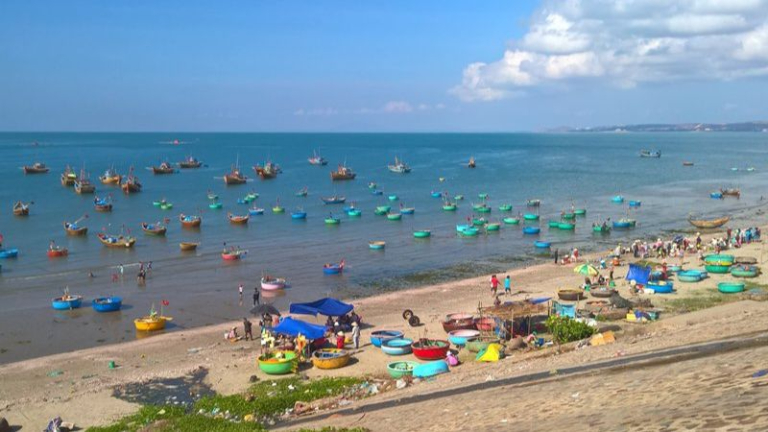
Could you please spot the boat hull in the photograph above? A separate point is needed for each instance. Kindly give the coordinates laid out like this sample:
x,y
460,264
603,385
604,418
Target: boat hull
x,y
330,358
430,349
60,303
107,304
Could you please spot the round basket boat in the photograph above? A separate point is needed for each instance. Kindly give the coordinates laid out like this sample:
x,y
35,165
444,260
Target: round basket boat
x,y
396,346
566,226
531,230
580,212
690,276
458,321
596,305
400,369
553,223
745,271
569,216
511,221
430,349
570,294
661,287
601,292
461,337
745,260
107,304
330,358
718,269
422,233
531,217
379,336
67,303
730,287
613,314
542,244
493,226
278,362
430,369
719,260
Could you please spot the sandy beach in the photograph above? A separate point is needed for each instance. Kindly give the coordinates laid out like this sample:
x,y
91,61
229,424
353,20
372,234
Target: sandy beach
x,y
80,387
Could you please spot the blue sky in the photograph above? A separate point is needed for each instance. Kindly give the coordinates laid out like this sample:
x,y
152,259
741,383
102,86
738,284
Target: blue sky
x,y
378,65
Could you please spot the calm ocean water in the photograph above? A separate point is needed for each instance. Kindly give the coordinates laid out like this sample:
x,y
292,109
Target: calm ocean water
x,y
586,169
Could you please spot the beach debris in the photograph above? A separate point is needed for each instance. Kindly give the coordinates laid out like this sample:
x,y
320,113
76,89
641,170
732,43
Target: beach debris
x,y
4,426
602,339
401,384
55,373
760,373
194,350
253,378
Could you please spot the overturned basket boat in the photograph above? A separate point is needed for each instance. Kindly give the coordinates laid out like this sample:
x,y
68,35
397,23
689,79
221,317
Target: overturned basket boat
x,y
330,358
570,294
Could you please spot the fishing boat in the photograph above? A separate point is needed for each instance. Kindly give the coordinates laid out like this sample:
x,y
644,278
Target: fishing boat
x,y
277,208
430,349
316,159
107,304
492,226
110,177
650,154
83,184
624,223
469,232
471,163
730,287
377,245
8,253
55,251
113,241
188,246
237,219
343,173
334,199
483,196
554,223
35,168
372,185
531,217
255,211
332,220
102,204
531,230
533,203
422,233
234,176
711,223
330,358
21,209
278,362
635,203
151,322
580,212
68,177
211,196
566,226
479,221
400,369
302,192
458,197
568,216
396,346
716,195
353,212
190,162
269,283
299,214
378,337
73,229
511,220
618,199
190,221
67,301
542,244
233,254
399,167
481,208
377,192
394,216
163,168
407,210
331,269
661,287
393,197
461,337
687,163
155,229
505,207
602,228
131,183
267,171
449,206
436,194
734,192
215,205
382,210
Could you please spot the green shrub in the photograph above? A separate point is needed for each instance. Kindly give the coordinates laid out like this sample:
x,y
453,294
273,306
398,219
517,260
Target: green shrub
x,y
564,329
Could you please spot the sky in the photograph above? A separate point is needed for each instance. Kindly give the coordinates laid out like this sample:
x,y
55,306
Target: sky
x,y
369,66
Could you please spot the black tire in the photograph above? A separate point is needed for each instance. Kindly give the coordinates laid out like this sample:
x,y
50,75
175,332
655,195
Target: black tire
x,y
414,321
407,314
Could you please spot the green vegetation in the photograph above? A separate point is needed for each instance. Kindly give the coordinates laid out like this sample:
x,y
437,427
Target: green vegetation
x,y
264,399
704,300
564,329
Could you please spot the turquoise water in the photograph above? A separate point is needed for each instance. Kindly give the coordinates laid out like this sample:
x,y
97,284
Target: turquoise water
x,y
586,169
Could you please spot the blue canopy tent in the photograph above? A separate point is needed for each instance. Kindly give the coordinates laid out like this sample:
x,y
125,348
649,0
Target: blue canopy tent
x,y
327,306
639,274
292,327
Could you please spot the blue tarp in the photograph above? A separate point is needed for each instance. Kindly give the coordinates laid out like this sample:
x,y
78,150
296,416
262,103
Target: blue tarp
x,y
639,274
292,327
327,306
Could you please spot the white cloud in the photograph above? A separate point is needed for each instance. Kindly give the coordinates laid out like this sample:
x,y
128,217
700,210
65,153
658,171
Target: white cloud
x,y
397,107
391,107
626,43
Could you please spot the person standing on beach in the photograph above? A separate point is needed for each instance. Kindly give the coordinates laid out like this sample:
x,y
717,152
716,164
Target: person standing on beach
x,y
247,329
507,285
255,296
240,291
557,252
356,334
494,285
149,268
122,271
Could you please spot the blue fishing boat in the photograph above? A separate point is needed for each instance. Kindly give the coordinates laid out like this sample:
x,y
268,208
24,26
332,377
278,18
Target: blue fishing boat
x,y
255,211
378,337
107,304
716,195
331,269
67,302
661,287
9,253
377,192
542,244
377,245
334,199
299,214
470,231
393,197
623,223
430,369
531,230
407,210
635,203
354,212
618,199
436,194
397,346
460,228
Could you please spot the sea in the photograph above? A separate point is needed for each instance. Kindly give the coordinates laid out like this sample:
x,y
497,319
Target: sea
x,y
581,170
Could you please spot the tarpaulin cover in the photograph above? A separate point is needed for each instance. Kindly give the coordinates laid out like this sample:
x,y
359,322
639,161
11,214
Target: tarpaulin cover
x,y
492,353
292,327
327,306
639,274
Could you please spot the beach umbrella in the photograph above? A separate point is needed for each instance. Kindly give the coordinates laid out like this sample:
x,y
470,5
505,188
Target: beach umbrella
x,y
265,309
586,270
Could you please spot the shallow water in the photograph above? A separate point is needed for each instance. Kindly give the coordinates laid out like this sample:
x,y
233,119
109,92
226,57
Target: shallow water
x,y
586,169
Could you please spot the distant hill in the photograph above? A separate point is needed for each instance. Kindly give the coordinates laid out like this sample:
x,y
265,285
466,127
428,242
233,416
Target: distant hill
x,y
756,126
